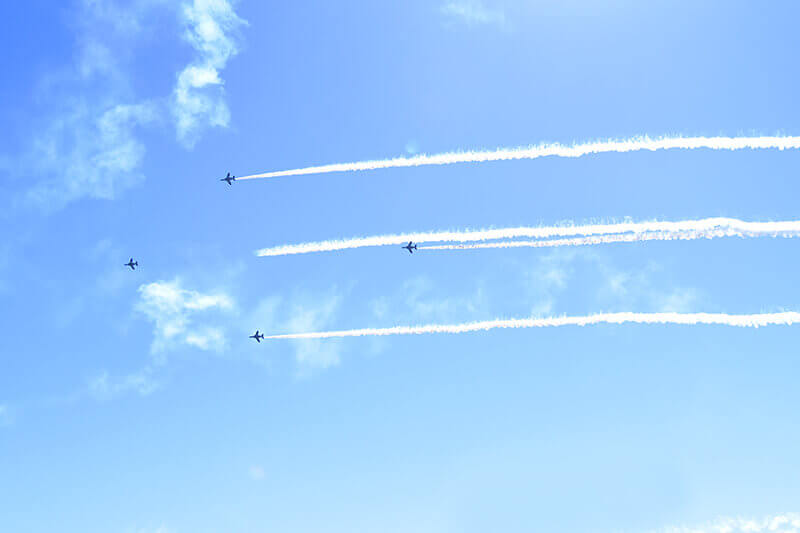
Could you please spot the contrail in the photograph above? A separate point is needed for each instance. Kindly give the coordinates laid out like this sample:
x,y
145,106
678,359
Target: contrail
x,y
744,229
544,150
689,319
615,238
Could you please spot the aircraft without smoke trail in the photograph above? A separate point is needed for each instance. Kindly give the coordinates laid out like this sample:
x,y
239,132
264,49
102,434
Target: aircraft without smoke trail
x,y
410,247
257,337
133,264
228,178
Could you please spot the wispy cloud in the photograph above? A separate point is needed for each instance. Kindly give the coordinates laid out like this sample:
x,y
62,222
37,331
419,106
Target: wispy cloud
x,y
549,276
173,310
180,317
643,288
104,386
472,12
782,523
638,289
304,312
87,153
158,529
125,18
418,299
5,415
421,299
314,355
104,260
199,96
89,142
5,261
256,473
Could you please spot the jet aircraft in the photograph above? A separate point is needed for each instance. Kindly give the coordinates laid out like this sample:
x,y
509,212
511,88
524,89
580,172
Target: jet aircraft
x,y
228,178
133,264
257,337
410,246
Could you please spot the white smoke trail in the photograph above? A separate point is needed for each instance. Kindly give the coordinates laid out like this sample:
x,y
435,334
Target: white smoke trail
x,y
748,229
689,319
544,150
615,238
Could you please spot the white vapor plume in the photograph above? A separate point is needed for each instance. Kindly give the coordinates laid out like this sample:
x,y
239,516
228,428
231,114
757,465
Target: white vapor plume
x,y
616,238
689,319
707,226
544,150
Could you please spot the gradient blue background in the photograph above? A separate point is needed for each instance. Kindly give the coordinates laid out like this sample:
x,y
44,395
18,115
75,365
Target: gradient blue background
x,y
608,428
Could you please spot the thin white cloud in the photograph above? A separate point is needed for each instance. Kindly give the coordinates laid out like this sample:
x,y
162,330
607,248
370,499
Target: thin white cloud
x,y
125,18
420,299
88,144
95,59
199,96
5,415
158,529
173,309
5,263
472,12
549,276
104,387
175,313
421,302
638,289
256,473
306,311
678,300
643,288
782,523
89,154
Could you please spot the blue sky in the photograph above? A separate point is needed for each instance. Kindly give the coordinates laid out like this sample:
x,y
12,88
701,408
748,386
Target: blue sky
x,y
134,401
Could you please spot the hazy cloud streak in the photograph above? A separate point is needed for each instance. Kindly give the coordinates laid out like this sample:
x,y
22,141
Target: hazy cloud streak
x,y
783,523
472,12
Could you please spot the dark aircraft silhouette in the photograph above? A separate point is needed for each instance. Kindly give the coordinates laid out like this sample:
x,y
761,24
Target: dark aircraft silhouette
x,y
133,264
228,178
257,337
410,246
